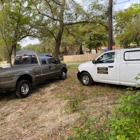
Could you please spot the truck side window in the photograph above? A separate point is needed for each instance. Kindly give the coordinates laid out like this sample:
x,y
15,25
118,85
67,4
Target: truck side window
x,y
106,58
34,59
51,61
43,61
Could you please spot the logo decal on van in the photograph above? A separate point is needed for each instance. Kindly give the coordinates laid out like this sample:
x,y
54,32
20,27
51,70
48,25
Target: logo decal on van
x,y
102,70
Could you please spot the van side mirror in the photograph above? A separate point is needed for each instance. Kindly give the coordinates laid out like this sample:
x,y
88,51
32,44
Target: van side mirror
x,y
94,61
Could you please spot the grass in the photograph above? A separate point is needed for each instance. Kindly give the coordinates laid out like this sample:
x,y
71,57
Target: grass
x,y
98,99
5,114
72,66
77,93
63,105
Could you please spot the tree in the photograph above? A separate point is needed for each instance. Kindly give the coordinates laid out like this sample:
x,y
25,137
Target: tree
x,y
96,36
57,16
94,42
16,23
127,27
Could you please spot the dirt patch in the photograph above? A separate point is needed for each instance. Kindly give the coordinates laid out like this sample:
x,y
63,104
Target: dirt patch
x,y
43,116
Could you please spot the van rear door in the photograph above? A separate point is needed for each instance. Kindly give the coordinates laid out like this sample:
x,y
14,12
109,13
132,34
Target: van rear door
x,y
130,67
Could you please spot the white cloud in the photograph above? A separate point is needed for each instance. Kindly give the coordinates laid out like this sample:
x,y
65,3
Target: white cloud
x,y
26,41
127,5
79,1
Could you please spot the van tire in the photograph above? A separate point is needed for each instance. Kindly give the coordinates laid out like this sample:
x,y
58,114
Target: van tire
x,y
86,79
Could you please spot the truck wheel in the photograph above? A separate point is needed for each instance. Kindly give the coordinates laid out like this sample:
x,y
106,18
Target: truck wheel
x,y
63,74
23,89
86,79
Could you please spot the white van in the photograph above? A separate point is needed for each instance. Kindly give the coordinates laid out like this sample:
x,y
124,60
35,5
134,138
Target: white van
x,y
120,67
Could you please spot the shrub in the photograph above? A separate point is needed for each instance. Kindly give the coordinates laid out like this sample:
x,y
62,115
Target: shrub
x,y
124,124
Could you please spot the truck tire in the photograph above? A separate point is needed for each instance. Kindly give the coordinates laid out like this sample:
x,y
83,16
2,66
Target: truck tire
x,y
23,89
86,79
63,75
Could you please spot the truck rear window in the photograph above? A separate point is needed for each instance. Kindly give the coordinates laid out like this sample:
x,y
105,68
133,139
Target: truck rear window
x,y
25,59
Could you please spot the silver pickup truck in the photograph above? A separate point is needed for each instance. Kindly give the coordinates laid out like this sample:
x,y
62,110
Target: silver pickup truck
x,y
28,70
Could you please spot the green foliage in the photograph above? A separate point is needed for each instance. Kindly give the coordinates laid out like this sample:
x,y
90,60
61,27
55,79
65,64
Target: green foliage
x,y
138,78
73,66
95,41
50,21
89,129
45,46
72,104
16,23
71,20
127,27
124,124
73,101
18,47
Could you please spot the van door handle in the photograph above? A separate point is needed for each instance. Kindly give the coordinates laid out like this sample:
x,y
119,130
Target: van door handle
x,y
111,66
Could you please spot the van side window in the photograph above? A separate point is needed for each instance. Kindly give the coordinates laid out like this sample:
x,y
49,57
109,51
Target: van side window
x,y
106,58
132,55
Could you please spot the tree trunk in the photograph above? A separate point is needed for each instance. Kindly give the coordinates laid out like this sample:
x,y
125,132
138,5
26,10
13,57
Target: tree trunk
x,y
9,58
96,50
81,49
58,42
57,48
90,50
137,41
9,53
14,50
60,32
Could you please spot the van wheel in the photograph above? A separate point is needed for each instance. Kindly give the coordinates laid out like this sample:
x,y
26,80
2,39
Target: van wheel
x,y
86,79
63,75
23,89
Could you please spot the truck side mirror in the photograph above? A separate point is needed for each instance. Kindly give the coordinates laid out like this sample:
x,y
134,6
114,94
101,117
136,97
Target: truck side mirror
x,y
58,61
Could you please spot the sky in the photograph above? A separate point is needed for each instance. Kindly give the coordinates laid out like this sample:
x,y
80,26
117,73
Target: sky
x,y
26,41
123,4
119,5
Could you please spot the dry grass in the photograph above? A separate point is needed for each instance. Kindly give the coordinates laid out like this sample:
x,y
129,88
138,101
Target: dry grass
x,y
48,113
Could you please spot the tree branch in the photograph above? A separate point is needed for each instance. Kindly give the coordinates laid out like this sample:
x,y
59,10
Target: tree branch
x,y
55,2
73,23
43,13
69,31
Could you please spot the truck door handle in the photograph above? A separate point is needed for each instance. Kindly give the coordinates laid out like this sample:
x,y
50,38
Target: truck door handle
x,y
110,66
